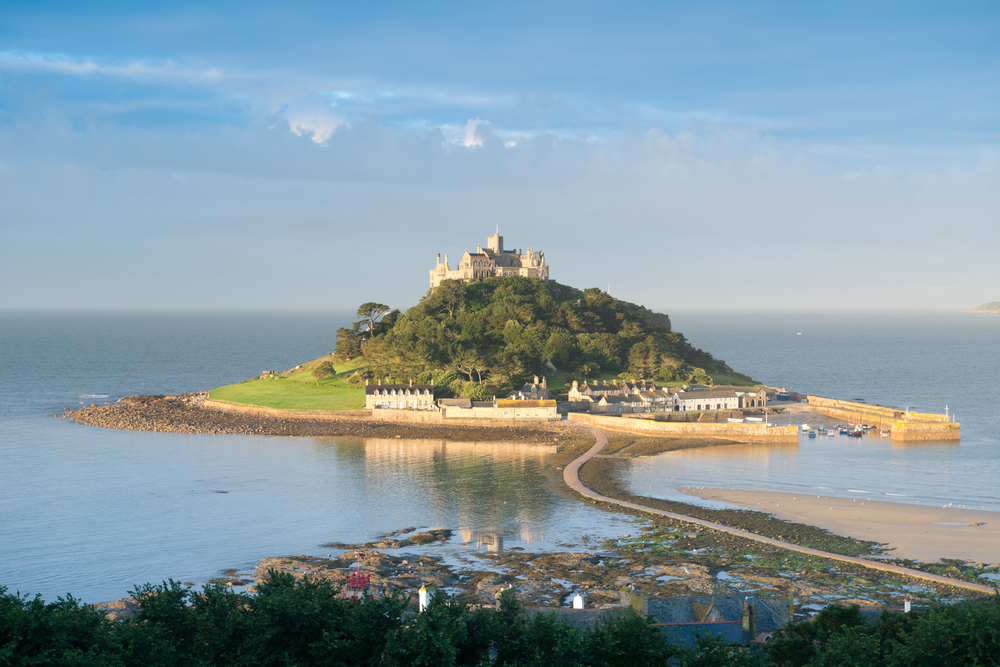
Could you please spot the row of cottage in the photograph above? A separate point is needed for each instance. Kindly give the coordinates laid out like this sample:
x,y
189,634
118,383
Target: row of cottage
x,y
534,400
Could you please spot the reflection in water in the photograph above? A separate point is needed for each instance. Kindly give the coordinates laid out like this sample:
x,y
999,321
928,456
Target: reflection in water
x,y
493,540
486,486
192,504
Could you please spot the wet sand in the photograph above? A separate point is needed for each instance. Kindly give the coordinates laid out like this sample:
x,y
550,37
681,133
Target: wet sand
x,y
914,532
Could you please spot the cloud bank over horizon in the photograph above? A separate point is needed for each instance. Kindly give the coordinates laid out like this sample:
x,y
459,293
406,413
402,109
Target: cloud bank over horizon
x,y
212,158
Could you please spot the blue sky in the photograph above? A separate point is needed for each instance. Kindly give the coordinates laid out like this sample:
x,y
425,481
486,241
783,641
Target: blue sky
x,y
718,155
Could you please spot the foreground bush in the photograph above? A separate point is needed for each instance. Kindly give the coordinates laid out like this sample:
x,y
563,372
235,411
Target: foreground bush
x,y
306,622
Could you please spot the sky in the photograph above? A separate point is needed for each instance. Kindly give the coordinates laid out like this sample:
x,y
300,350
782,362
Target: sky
x,y
247,155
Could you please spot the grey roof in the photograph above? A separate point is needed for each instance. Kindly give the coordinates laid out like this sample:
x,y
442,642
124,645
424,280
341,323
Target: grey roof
x,y
682,610
455,402
623,399
709,393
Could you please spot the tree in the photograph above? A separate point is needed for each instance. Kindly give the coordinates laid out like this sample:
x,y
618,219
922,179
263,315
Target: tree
x,y
349,343
370,313
323,371
644,358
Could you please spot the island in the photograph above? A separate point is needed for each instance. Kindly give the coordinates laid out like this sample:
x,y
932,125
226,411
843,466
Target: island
x,y
496,351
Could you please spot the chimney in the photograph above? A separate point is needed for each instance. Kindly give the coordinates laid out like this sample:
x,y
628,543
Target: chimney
x,y
544,385
536,379
439,258
366,382
411,382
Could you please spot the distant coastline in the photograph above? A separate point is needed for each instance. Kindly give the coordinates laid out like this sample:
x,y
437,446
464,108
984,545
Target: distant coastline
x,y
991,308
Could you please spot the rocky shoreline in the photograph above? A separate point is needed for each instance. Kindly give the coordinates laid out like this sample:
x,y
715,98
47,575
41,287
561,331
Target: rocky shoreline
x,y
188,413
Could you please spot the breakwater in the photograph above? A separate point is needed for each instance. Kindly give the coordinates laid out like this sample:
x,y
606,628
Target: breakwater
x,y
903,425
747,433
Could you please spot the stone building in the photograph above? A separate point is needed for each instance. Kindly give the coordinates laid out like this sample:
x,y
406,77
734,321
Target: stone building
x,y
533,392
492,261
711,399
399,396
594,390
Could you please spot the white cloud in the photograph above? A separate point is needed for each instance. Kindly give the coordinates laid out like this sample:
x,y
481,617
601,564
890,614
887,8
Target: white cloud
x,y
472,138
313,119
166,72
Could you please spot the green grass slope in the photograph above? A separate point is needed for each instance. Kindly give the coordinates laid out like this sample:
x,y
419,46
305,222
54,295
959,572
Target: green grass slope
x,y
298,390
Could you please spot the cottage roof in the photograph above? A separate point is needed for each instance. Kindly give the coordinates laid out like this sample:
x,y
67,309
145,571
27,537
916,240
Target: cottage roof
x,y
709,393
655,394
455,402
746,390
621,399
730,607
414,388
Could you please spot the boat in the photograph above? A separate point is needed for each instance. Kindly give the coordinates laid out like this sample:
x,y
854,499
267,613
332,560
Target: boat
x,y
755,419
812,434
733,420
805,427
884,433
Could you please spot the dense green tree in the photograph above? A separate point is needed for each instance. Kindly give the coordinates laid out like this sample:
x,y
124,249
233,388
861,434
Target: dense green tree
x,y
324,370
501,331
349,343
644,359
63,632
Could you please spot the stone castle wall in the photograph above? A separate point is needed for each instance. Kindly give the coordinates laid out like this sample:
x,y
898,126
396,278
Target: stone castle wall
x,y
492,261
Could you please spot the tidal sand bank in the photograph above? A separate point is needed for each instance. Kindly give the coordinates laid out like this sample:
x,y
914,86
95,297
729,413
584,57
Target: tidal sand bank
x,y
913,532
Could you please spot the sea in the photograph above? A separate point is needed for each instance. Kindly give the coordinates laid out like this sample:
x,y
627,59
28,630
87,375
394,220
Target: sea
x,y
95,512
938,362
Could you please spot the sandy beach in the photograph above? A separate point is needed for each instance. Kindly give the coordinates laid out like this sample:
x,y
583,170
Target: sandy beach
x,y
915,532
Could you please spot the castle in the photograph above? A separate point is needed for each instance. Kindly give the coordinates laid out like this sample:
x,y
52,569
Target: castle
x,y
491,261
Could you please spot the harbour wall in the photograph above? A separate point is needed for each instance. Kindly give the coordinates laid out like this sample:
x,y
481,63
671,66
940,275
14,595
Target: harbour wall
x,y
903,425
478,417
227,406
748,433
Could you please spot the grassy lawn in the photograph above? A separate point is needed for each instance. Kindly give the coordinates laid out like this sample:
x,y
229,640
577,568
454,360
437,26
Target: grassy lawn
x,y
298,390
723,378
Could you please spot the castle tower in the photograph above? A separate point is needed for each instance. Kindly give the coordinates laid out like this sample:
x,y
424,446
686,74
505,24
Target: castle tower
x,y
495,243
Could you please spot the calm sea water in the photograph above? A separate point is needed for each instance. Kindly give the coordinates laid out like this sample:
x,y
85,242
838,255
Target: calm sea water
x,y
921,360
94,512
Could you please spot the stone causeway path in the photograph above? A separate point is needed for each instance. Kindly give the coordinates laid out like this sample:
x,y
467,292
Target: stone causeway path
x,y
571,475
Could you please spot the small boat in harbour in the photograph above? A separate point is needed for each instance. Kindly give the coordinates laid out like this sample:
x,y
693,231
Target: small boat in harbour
x,y
755,419
733,420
